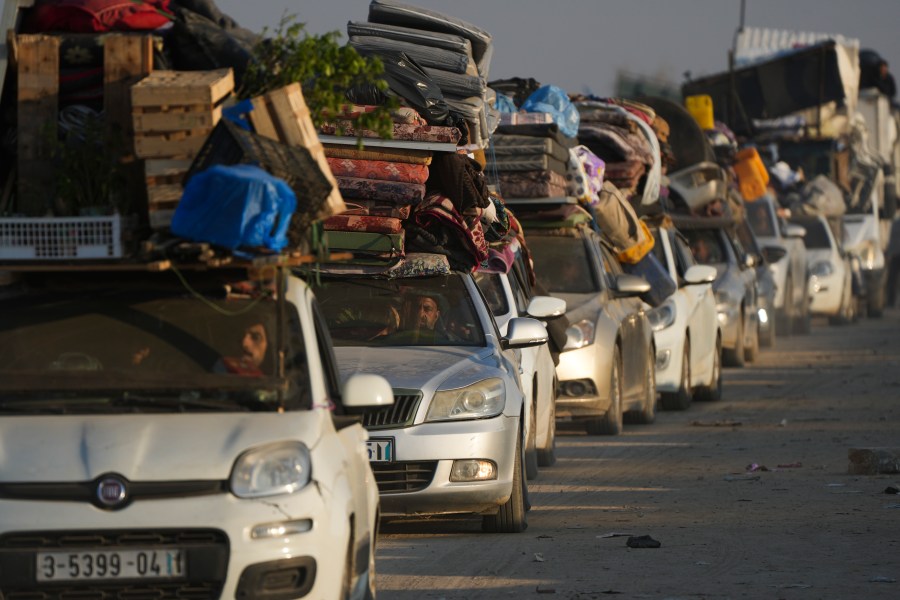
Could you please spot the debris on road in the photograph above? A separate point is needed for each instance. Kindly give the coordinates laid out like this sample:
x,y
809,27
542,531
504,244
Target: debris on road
x,y
538,557
754,467
613,534
642,541
874,461
894,488
882,579
725,423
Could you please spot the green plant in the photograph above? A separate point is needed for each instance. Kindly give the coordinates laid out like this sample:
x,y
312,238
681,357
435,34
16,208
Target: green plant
x,y
89,174
324,69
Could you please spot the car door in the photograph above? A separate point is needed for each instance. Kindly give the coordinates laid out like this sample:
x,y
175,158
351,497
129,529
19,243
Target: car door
x,y
634,348
703,322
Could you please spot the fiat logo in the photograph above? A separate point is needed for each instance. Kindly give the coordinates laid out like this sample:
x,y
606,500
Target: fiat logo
x,y
111,491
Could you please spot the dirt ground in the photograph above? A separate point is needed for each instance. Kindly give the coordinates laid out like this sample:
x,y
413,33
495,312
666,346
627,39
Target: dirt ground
x,y
796,526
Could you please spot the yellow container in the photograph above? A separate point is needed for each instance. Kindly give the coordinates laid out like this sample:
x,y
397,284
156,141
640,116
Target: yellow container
x,y
701,108
751,173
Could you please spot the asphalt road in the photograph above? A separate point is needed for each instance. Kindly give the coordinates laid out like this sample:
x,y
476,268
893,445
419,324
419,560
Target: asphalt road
x,y
750,497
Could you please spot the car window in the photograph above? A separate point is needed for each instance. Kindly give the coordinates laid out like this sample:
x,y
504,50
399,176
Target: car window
x,y
192,335
684,260
427,311
519,295
706,246
761,218
745,239
326,352
611,265
491,287
563,264
521,273
816,235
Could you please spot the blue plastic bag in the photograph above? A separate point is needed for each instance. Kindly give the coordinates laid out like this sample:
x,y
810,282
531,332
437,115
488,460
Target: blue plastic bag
x,y
661,284
234,206
505,104
554,100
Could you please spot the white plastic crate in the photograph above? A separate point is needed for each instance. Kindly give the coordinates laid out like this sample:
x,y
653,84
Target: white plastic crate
x,y
60,238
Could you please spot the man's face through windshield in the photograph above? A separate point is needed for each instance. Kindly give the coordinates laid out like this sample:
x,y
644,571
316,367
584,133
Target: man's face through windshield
x,y
254,344
425,312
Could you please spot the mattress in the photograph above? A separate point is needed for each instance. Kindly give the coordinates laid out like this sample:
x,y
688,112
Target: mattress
x,y
376,208
532,184
418,133
433,39
365,223
533,162
550,130
436,58
378,169
391,12
457,84
416,157
513,145
387,191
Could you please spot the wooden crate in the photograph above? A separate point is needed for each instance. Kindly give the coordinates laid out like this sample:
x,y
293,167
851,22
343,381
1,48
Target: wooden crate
x,y
173,112
283,115
164,189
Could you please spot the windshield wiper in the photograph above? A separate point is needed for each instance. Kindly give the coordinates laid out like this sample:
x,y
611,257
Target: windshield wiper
x,y
219,400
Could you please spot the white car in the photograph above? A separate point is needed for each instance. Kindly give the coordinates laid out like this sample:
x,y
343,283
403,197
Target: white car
x,y
508,295
686,327
830,276
182,436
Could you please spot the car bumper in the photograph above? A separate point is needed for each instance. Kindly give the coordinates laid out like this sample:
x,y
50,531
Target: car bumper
x,y
231,562
579,392
435,447
728,317
669,356
827,294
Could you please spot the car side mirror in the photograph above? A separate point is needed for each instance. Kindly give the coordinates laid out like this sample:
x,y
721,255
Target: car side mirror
x,y
795,231
546,307
773,254
630,285
700,274
524,332
367,390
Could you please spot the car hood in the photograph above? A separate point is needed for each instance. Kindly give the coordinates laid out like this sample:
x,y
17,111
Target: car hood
x,y
859,231
418,368
142,447
581,307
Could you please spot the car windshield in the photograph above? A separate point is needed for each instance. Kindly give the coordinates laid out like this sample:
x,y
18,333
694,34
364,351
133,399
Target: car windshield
x,y
761,218
816,235
429,311
706,246
156,341
492,288
562,264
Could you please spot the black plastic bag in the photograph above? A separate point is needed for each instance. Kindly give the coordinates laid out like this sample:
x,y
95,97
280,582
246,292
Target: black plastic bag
x,y
409,81
199,44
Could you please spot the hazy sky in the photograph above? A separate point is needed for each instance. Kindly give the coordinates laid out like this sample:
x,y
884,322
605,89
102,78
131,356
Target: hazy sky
x,y
579,44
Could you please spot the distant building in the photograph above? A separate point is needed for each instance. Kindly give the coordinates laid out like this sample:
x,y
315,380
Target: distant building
x,y
633,85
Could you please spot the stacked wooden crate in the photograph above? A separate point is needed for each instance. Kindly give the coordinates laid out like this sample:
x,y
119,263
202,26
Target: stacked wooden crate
x,y
173,112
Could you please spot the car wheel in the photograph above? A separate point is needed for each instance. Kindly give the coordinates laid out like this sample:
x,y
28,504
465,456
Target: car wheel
x,y
844,316
875,304
803,324
785,317
547,455
531,459
767,340
713,391
751,351
511,516
647,413
681,399
734,357
611,422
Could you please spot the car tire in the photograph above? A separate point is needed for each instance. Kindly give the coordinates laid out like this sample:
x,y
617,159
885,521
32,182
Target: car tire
x,y
647,413
751,351
875,303
844,316
785,317
547,455
681,399
734,357
767,340
802,323
713,391
511,516
611,422
531,458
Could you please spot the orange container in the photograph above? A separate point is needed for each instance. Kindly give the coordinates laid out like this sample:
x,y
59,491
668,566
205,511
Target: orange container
x,y
751,173
701,108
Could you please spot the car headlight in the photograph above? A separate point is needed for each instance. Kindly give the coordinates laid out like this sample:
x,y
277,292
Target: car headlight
x,y
271,470
662,316
579,335
822,268
477,401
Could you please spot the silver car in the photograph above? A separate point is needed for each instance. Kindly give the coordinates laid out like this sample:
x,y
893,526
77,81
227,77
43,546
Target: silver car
x,y
607,366
453,442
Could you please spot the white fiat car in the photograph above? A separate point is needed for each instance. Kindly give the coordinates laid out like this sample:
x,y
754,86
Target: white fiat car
x,y
686,327
453,442
179,434
509,295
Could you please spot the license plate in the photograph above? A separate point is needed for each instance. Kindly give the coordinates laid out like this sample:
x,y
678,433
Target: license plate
x,y
380,449
93,565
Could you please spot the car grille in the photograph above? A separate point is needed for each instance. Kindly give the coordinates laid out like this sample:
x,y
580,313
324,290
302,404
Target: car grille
x,y
397,477
207,551
399,414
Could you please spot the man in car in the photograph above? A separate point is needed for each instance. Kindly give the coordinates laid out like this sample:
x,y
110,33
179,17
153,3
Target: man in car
x,y
251,362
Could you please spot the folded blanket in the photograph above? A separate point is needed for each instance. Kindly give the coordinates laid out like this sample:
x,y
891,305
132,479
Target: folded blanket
x,y
457,84
373,189
535,162
550,130
377,208
416,157
513,145
433,39
364,223
532,184
460,179
378,169
438,227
